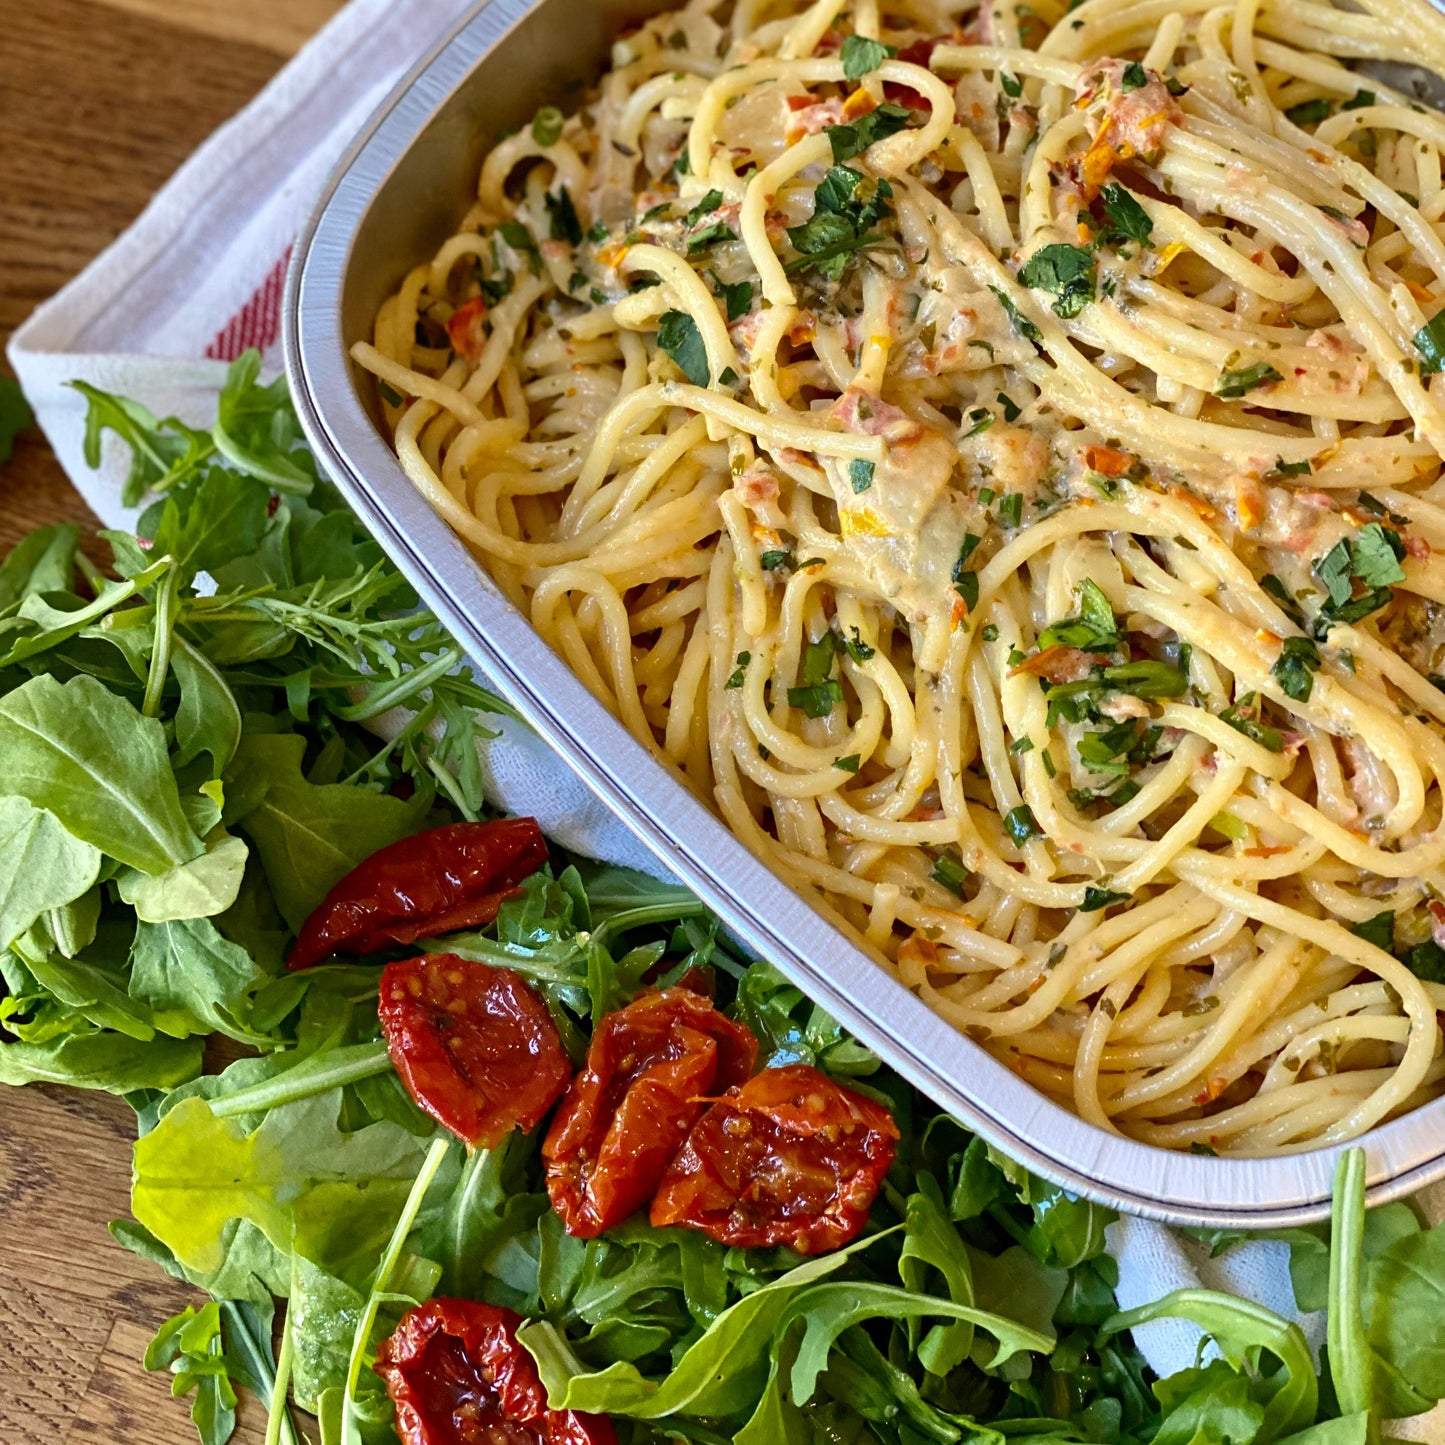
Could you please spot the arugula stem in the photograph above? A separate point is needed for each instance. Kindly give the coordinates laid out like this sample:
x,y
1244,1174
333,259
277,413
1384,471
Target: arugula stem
x,y
1349,1352
245,1340
350,1432
419,722
329,1070
396,691
161,650
277,1417
450,787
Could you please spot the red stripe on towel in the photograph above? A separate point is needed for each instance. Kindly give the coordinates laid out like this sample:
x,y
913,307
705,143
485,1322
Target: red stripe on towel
x,y
258,322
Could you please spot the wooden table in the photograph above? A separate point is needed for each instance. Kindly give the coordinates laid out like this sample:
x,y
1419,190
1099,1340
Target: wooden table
x,y
100,101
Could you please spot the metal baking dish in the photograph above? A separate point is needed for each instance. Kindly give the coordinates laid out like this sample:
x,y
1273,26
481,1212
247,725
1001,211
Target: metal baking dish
x,y
394,198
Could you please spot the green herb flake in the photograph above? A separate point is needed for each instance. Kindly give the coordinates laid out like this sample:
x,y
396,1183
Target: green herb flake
x,y
849,764
860,475
1125,219
1294,670
1099,898
1236,382
563,217
1379,930
948,872
678,336
1065,272
1017,319
736,680
1011,509
1310,112
1020,824
1011,410
862,56
1430,344
1133,77
848,141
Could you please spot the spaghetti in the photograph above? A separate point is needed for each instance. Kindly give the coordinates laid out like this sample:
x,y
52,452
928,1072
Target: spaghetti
x,y
994,458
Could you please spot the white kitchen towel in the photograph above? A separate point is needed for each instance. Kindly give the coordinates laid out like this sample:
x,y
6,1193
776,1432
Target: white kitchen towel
x,y
199,278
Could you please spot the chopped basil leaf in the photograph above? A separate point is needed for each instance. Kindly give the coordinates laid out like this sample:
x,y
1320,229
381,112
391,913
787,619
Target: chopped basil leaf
x,y
1310,112
1066,272
678,336
1379,930
1019,823
1430,343
1427,961
1298,661
1097,898
776,560
1375,555
1243,717
1133,77
966,585
742,660
1013,87
861,56
1235,382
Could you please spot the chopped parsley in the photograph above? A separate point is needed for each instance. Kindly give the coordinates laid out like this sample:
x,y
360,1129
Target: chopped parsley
x,y
1235,382
860,475
1133,77
1370,560
1281,594
965,582
1359,100
678,336
1298,661
776,560
1283,468
821,692
1011,411
563,216
1124,218
849,764
850,140
861,56
738,298
728,377
846,207
1097,898
854,646
742,660
708,235
1093,630
1013,87
981,418
1065,272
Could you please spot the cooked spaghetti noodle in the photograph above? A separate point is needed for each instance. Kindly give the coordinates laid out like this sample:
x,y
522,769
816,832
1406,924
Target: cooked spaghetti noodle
x,y
994,457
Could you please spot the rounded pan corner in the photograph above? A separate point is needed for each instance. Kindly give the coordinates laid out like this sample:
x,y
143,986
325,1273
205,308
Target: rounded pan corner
x,y
1403,1155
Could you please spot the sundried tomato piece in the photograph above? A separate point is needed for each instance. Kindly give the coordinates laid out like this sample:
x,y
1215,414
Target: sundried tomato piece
x,y
435,882
790,1158
649,1070
474,1045
458,1376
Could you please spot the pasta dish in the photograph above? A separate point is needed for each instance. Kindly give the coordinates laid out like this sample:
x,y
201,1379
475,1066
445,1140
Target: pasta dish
x,y
993,456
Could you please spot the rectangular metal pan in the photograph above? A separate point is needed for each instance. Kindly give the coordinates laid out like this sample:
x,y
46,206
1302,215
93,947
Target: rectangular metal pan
x,y
394,198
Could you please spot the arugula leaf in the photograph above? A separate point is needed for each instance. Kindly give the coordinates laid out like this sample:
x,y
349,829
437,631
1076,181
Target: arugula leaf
x,y
41,866
860,56
15,415
86,755
850,140
101,1059
1066,272
189,1346
307,835
1236,382
678,336
42,561
162,453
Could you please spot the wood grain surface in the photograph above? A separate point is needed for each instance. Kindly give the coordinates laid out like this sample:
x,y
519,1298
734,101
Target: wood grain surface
x,y
100,101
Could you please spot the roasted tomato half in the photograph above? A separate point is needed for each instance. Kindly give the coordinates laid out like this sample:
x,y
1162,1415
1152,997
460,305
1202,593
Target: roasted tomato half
x,y
432,883
458,1376
789,1158
650,1069
474,1045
